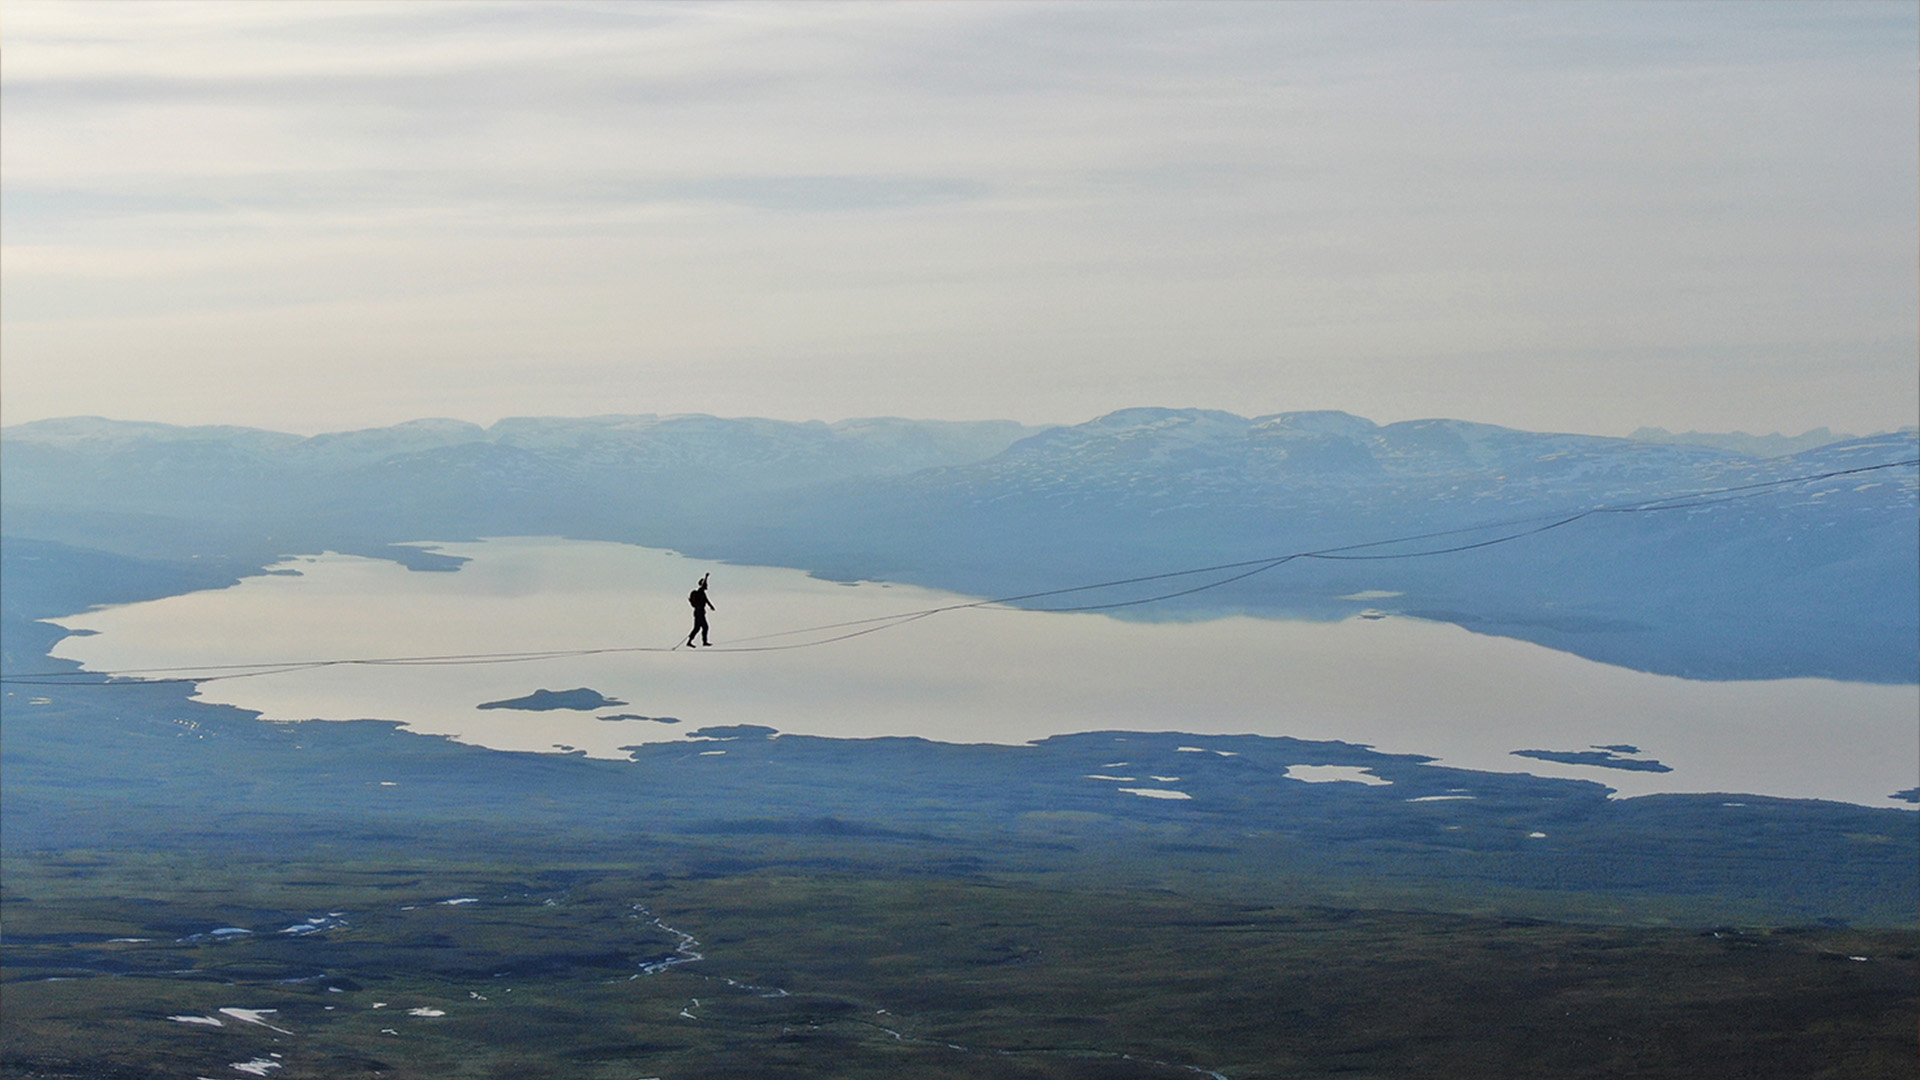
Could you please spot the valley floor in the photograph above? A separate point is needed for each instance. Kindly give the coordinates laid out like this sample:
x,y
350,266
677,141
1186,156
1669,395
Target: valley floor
x,y
124,966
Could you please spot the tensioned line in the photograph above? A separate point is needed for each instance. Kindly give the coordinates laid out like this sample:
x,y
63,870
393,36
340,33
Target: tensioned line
x,y
1231,571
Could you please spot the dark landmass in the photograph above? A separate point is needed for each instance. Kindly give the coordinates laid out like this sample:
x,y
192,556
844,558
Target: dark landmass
x,y
727,732
1620,748
1602,758
579,698
637,716
1911,795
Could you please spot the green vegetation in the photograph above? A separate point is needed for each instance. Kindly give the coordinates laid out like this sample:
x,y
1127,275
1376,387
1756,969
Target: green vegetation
x,y
543,974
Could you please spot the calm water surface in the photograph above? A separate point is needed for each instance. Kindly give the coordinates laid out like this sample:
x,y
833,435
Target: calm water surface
x,y
984,675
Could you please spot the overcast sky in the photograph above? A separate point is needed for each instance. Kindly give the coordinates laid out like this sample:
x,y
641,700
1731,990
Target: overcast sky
x,y
1563,217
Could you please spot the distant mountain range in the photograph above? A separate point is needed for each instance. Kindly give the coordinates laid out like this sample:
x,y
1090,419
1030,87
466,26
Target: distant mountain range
x,y
1774,445
1814,579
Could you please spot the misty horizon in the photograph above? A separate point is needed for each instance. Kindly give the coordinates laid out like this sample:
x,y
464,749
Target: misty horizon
x,y
1818,435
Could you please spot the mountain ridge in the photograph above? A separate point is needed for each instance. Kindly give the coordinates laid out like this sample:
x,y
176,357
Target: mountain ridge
x,y
1796,580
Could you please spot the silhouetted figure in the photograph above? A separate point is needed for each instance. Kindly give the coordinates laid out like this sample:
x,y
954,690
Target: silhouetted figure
x,y
698,598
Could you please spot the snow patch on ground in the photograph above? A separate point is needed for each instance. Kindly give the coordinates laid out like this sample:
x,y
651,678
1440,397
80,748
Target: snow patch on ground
x,y
1334,774
255,1016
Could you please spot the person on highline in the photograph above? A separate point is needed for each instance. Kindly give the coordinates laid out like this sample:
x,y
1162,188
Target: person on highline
x,y
698,598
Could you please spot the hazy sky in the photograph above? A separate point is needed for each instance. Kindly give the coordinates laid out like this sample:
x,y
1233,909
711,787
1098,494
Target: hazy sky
x,y
1580,217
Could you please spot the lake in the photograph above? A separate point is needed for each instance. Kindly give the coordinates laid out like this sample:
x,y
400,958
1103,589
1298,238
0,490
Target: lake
x,y
977,675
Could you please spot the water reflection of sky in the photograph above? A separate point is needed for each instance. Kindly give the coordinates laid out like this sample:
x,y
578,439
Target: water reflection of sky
x,y
981,675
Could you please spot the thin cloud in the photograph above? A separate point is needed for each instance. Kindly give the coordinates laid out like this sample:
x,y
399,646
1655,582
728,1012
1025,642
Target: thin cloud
x,y
1551,216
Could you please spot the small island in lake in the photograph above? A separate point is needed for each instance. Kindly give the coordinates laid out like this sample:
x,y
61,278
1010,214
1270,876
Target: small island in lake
x,y
543,700
637,716
729,732
1605,757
